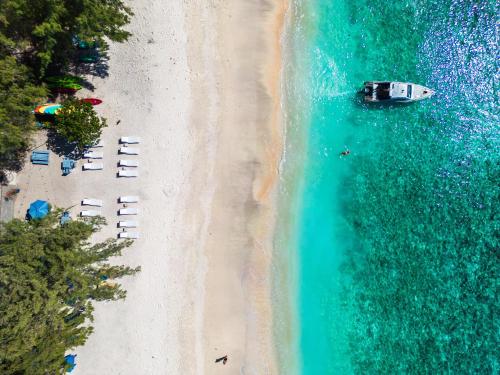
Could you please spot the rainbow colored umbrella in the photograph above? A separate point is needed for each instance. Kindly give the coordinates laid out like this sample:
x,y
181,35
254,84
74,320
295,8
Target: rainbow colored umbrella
x,y
48,109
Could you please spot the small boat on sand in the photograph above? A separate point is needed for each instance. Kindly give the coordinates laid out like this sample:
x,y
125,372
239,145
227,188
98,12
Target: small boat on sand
x,y
397,92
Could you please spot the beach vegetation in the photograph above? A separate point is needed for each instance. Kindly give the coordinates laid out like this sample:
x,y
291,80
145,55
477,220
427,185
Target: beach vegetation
x,y
78,123
37,38
18,95
42,32
50,275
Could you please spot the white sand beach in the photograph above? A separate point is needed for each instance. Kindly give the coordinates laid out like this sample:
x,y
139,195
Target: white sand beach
x,y
198,81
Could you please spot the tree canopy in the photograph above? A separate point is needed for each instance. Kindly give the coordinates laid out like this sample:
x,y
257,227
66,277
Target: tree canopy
x,y
78,123
43,29
18,95
38,36
49,276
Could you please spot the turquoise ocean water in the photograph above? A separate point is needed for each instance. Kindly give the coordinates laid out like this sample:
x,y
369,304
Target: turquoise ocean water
x,y
394,249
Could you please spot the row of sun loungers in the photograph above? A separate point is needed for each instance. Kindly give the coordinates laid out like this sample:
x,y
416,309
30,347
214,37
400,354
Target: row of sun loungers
x,y
125,211
122,163
128,199
126,224
128,163
98,203
91,154
124,149
121,212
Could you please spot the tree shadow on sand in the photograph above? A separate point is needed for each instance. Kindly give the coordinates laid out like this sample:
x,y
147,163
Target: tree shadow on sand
x,y
60,146
99,68
14,163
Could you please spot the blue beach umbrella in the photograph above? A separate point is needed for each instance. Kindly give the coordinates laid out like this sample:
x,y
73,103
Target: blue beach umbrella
x,y
38,209
70,360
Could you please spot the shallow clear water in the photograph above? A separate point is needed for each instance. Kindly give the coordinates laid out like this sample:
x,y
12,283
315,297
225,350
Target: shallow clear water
x,y
397,244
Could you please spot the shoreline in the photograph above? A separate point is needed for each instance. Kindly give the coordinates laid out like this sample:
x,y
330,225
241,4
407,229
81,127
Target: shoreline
x,y
238,215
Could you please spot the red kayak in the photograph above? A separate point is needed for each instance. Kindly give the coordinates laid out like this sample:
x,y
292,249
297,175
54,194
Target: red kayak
x,y
92,101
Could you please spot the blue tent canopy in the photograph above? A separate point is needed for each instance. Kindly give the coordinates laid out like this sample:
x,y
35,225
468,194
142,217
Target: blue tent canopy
x,y
38,209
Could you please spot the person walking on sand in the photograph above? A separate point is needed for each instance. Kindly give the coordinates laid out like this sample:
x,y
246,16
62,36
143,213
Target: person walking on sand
x,y
223,359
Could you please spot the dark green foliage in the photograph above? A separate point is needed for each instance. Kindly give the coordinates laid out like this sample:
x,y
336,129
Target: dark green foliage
x,y
49,276
44,29
18,96
78,123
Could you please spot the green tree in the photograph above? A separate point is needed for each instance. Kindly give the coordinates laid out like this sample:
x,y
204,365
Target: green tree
x,y
49,276
18,95
42,29
78,122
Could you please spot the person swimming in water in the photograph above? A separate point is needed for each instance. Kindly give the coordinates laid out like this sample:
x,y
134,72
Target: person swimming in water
x,y
345,152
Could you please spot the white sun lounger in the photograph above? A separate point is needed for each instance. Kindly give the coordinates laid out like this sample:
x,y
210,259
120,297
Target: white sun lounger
x,y
130,139
128,211
89,213
128,173
129,199
93,155
132,235
98,144
92,166
128,163
92,202
128,224
129,150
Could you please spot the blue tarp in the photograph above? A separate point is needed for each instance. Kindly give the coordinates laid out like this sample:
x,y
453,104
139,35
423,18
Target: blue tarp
x,y
38,209
70,360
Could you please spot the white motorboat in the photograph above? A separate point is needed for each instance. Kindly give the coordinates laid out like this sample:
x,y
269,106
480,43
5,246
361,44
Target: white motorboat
x,y
399,92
